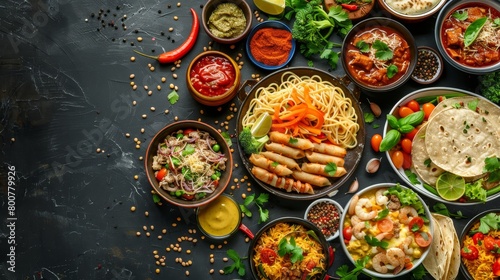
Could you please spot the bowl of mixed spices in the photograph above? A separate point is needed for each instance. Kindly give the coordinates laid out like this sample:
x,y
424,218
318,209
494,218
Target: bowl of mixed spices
x,y
227,22
325,214
270,45
429,66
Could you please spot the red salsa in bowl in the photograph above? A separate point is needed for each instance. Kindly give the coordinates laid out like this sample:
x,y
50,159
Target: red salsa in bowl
x,y
213,78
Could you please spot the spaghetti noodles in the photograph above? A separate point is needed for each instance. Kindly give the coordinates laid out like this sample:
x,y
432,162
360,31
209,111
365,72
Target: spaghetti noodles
x,y
340,120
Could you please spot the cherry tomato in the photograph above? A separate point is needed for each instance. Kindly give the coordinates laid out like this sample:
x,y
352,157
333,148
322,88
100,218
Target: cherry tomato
x,y
375,142
404,111
406,145
397,159
411,134
187,131
423,239
347,232
416,224
413,105
478,236
469,252
427,108
385,225
268,256
406,161
188,196
489,243
161,173
496,267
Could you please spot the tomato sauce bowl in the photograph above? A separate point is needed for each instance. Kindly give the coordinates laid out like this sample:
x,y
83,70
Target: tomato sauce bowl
x,y
213,78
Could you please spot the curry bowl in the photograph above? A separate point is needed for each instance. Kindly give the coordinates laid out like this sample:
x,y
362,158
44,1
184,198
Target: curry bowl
x,y
303,158
263,250
475,242
465,33
270,45
417,169
183,152
213,78
411,12
379,54
388,227
227,22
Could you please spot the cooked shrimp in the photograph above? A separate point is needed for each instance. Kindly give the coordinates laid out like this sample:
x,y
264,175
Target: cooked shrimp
x,y
406,214
352,206
358,232
355,220
406,245
380,198
379,262
383,235
363,209
396,258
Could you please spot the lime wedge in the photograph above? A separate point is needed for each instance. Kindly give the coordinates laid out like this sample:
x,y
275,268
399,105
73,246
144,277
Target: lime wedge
x,y
262,125
450,186
271,7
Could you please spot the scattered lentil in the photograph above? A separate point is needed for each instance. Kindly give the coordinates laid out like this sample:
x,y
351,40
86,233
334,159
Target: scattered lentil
x,y
132,76
132,58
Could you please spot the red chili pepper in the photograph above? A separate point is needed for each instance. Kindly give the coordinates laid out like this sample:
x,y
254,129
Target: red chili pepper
x,y
247,231
182,50
349,7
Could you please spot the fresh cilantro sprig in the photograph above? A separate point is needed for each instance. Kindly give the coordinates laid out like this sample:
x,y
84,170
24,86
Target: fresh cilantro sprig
x,y
289,247
293,140
373,241
492,166
383,52
363,46
331,168
259,201
359,265
440,208
419,272
490,221
238,264
173,97
369,117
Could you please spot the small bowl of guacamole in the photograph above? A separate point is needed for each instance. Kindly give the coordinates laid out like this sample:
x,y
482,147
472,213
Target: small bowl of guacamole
x,y
227,22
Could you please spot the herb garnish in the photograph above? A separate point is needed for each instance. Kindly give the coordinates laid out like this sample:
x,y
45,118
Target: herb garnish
x,y
427,162
173,97
440,208
345,274
473,31
363,46
492,166
238,264
490,221
392,70
460,15
259,201
369,117
383,52
290,247
331,168
373,241
382,214
293,140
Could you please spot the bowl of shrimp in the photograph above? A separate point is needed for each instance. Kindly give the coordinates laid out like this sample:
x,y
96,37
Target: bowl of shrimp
x,y
387,228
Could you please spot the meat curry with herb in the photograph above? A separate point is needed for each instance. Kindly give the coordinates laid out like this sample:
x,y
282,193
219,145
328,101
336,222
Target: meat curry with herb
x,y
378,56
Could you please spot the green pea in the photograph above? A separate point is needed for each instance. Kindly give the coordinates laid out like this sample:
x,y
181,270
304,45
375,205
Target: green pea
x,y
216,147
214,177
179,193
179,135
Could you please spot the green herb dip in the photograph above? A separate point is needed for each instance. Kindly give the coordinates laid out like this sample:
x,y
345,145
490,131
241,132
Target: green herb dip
x,y
227,21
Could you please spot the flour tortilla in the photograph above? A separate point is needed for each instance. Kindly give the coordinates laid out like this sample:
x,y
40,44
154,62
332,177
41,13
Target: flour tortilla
x,y
435,262
484,107
411,7
451,241
458,140
430,172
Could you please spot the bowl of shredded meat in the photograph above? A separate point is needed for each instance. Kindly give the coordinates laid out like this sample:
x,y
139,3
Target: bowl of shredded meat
x,y
188,163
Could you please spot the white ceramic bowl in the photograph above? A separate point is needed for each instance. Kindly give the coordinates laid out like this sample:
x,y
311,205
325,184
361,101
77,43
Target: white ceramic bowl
x,y
371,272
340,210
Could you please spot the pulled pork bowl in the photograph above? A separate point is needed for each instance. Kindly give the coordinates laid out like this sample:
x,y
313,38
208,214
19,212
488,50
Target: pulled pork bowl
x,y
188,163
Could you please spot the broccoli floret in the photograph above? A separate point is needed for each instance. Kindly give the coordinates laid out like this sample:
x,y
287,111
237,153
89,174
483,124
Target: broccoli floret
x,y
249,143
489,86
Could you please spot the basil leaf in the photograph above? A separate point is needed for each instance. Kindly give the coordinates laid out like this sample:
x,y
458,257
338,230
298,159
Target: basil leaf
x,y
414,119
460,15
473,30
392,121
392,70
390,140
407,128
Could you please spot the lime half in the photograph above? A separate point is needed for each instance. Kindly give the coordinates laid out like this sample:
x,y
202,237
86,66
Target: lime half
x,y
271,7
262,125
450,186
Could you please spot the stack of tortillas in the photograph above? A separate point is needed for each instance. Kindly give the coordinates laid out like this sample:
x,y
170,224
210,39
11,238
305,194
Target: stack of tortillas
x,y
443,259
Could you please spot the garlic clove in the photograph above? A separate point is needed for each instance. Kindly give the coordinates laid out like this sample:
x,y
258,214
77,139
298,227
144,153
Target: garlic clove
x,y
375,109
373,165
354,186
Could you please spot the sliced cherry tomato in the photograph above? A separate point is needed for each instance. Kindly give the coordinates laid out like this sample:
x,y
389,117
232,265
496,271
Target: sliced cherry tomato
x,y
375,142
385,225
268,256
489,243
404,111
347,232
477,237
188,196
161,173
187,131
397,159
413,104
411,134
416,224
406,145
423,239
469,252
428,108
496,267
406,161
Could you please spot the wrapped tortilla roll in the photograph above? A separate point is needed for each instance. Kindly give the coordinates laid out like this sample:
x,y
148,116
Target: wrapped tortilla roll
x,y
319,169
329,149
269,165
285,139
285,150
324,158
287,184
312,179
288,162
